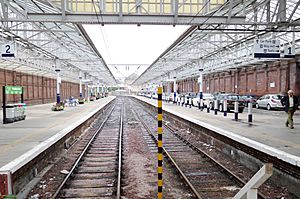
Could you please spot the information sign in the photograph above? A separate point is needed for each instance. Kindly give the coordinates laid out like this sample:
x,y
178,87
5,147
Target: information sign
x,y
13,90
8,49
266,48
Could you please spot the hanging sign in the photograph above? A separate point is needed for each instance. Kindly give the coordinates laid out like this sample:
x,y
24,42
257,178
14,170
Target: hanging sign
x,y
8,49
266,48
289,51
13,90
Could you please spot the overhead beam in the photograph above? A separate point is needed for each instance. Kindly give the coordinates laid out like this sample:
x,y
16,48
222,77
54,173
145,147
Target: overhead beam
x,y
128,19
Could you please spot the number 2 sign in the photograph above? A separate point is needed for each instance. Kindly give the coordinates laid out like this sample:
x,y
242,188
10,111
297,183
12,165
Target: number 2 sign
x,y
8,50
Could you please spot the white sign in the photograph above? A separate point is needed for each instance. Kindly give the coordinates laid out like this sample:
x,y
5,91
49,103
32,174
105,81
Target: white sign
x,y
289,51
266,48
8,49
272,84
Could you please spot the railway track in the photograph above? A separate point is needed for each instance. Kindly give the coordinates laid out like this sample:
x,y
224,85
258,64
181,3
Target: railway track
x,y
97,171
205,176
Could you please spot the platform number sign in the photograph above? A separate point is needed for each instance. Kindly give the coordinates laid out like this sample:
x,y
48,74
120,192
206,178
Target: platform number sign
x,y
8,50
289,51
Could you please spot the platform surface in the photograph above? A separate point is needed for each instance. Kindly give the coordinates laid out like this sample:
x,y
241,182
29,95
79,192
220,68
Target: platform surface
x,y
268,127
41,123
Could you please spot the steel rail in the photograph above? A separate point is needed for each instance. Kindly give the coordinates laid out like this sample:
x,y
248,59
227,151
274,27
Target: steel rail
x,y
120,154
165,152
230,173
81,155
197,149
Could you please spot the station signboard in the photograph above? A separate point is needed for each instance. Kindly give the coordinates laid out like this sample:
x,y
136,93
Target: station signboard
x,y
13,90
266,48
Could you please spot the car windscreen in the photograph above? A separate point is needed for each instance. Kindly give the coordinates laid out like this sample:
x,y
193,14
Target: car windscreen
x,y
278,97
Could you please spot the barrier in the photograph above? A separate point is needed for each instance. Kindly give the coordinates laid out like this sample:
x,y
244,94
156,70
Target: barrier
x,y
225,107
216,107
236,111
249,112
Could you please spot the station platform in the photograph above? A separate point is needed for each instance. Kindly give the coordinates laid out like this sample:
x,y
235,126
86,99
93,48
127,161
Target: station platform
x,y
267,133
40,124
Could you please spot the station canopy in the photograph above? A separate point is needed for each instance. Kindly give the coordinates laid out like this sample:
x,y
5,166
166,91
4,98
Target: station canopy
x,y
48,34
43,47
227,47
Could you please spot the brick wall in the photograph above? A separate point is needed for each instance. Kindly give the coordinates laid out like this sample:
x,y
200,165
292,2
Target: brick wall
x,y
37,89
271,77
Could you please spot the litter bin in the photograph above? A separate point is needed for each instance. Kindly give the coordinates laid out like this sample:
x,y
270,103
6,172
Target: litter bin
x,y
20,112
10,113
17,112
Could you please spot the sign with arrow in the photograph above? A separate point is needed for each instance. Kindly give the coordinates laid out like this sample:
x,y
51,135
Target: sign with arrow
x,y
266,48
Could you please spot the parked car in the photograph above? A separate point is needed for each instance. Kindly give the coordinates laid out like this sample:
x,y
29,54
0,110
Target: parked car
x,y
207,97
269,101
231,98
249,98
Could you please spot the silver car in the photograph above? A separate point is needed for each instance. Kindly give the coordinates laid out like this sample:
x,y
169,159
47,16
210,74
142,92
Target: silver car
x,y
270,101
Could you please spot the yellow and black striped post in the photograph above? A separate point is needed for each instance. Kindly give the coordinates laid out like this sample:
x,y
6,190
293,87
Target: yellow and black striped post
x,y
160,149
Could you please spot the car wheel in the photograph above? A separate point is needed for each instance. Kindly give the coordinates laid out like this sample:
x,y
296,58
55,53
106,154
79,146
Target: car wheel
x,y
241,110
268,107
257,106
221,108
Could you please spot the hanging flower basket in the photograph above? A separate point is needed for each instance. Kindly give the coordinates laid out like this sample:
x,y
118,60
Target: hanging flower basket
x,y
58,107
81,100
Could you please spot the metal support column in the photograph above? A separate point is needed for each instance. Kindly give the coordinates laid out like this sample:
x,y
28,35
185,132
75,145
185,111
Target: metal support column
x,y
58,82
80,84
174,89
200,82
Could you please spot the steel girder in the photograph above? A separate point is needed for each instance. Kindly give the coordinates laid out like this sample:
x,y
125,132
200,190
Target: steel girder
x,y
166,12
42,46
219,47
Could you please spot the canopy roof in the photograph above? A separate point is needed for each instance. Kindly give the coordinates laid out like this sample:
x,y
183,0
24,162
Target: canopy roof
x,y
43,46
221,47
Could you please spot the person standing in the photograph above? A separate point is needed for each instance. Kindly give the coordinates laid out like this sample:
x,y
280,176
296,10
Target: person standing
x,y
290,103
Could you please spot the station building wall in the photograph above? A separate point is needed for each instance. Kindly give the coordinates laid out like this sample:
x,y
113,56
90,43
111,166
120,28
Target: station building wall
x,y
271,77
37,89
